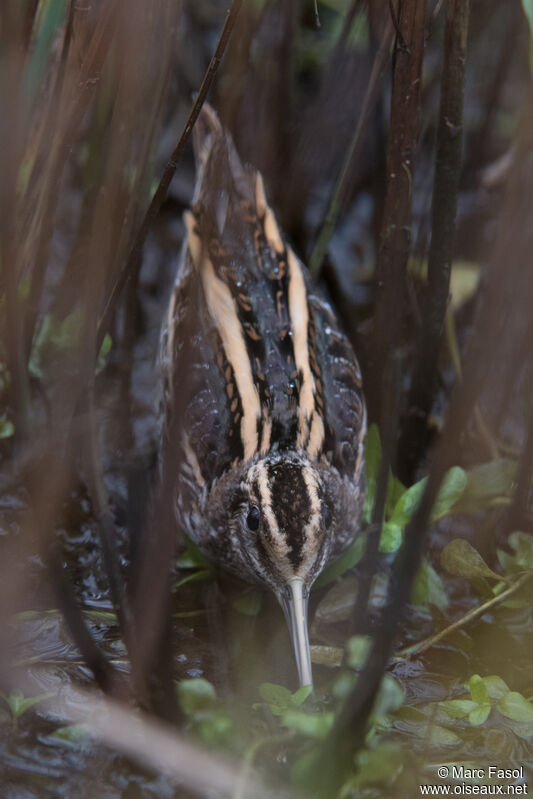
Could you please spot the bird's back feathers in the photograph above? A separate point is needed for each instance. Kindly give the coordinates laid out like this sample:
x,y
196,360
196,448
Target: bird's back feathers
x,y
255,360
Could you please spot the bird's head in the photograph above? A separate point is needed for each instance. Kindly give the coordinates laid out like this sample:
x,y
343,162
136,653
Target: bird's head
x,y
280,524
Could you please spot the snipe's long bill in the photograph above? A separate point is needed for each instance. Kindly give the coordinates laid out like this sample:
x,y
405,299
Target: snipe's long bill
x,y
264,411
294,605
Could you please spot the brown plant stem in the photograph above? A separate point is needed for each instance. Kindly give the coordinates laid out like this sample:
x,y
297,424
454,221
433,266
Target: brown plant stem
x,y
395,239
108,533
519,514
508,292
156,746
338,198
133,259
51,182
391,390
11,133
445,191
105,674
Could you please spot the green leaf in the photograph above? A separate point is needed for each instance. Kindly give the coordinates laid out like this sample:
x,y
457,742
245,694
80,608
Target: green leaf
x,y
19,704
478,690
196,695
464,281
372,461
522,543
105,616
299,696
357,650
406,506
217,729
496,687
485,483
458,708
464,278
349,558
372,453
104,352
516,707
391,537
193,558
395,490
311,725
278,698
7,428
461,559
508,562
71,734
203,574
15,700
451,490
380,765
479,715
428,588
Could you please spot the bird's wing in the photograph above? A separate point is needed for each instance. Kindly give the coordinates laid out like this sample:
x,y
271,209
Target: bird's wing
x,y
342,387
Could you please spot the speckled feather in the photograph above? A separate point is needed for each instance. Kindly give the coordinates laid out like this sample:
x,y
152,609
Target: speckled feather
x,y
266,386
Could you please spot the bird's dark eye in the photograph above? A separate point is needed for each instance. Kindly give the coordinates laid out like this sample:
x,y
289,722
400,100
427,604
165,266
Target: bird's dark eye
x,y
328,518
252,520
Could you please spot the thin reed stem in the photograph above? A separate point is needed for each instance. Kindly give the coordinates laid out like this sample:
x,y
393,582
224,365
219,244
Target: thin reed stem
x,y
445,193
132,262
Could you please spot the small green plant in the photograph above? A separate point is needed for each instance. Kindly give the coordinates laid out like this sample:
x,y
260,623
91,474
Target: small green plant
x,y
461,559
488,695
18,704
209,718
73,735
197,565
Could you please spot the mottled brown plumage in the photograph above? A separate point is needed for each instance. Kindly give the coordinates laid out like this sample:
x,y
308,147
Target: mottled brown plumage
x,y
267,391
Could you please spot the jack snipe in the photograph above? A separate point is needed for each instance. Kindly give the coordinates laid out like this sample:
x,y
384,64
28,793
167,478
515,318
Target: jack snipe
x,y
268,391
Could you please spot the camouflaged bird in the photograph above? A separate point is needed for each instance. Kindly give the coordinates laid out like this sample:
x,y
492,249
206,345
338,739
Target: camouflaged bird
x,y
267,392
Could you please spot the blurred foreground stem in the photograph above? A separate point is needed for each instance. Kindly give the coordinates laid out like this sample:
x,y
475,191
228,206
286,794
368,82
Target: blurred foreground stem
x,y
445,192
409,17
339,193
134,258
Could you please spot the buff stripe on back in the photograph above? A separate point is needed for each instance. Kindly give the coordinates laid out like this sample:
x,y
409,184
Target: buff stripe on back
x,y
310,423
223,311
